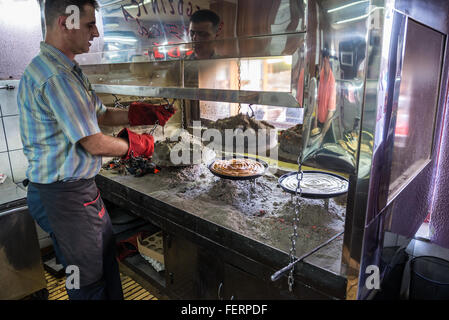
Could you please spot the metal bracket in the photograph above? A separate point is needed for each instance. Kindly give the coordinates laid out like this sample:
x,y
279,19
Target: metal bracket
x,y
275,276
117,104
7,87
252,111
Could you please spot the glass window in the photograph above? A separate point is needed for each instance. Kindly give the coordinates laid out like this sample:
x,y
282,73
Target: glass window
x,y
416,106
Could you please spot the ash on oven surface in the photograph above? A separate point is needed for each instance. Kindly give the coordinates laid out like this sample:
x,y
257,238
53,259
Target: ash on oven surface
x,y
261,211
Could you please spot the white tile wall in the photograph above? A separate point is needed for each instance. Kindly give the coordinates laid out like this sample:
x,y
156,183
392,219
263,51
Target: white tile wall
x,y
16,164
5,167
2,138
19,165
8,99
12,130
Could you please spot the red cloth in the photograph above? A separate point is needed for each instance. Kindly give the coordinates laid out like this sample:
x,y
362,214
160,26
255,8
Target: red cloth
x,y
140,114
140,145
129,247
327,95
126,248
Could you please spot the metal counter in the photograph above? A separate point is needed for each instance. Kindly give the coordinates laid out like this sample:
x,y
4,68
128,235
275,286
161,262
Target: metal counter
x,y
251,219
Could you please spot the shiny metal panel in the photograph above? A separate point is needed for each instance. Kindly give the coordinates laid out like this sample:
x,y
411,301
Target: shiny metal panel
x,y
21,267
140,24
430,13
335,49
161,74
250,97
258,46
284,53
382,43
147,34
274,17
406,209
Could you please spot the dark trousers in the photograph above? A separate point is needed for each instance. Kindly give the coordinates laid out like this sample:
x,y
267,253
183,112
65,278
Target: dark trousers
x,y
74,215
38,213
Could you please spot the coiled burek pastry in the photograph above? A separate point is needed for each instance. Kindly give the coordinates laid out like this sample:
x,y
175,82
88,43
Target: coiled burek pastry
x,y
238,167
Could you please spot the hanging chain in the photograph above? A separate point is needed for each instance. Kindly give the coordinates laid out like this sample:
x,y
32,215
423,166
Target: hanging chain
x,y
294,235
253,114
239,68
151,132
182,113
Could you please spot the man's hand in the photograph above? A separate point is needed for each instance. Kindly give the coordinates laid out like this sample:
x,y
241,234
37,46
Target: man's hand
x,y
140,145
148,114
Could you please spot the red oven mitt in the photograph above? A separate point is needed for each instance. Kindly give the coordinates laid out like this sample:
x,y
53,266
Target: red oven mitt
x,y
140,145
140,114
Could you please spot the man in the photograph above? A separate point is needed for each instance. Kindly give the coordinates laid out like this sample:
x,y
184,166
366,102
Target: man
x,y
204,27
59,123
326,97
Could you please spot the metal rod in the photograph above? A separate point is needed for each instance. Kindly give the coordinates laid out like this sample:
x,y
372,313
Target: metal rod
x,y
7,87
279,273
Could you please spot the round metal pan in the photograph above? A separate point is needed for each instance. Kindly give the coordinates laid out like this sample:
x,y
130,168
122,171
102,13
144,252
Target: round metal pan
x,y
310,194
235,177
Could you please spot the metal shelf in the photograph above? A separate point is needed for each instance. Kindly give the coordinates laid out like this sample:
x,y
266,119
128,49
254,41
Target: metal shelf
x,y
282,99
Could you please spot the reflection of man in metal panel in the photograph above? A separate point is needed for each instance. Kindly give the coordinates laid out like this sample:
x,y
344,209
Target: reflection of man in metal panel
x,y
326,96
203,28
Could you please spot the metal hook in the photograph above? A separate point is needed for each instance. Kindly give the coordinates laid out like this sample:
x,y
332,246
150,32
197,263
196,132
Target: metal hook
x,y
117,104
7,87
168,103
154,128
252,111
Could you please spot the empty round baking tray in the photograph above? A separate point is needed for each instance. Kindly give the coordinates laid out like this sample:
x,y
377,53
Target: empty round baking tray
x,y
315,184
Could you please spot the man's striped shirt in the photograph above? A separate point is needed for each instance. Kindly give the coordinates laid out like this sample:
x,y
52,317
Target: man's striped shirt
x,y
57,108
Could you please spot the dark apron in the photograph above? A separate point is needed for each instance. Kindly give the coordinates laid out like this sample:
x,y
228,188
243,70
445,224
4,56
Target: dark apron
x,y
83,229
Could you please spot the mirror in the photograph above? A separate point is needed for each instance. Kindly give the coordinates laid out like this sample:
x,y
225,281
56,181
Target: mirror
x,y
178,29
334,85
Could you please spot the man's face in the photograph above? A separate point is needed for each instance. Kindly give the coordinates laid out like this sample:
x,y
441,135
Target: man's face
x,y
80,38
202,31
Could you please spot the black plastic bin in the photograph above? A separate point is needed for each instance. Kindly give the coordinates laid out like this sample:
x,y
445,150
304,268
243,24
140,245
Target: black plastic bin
x,y
429,279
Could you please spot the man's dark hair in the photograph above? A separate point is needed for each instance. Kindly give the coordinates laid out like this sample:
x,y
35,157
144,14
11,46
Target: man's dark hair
x,y
205,15
325,52
55,8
